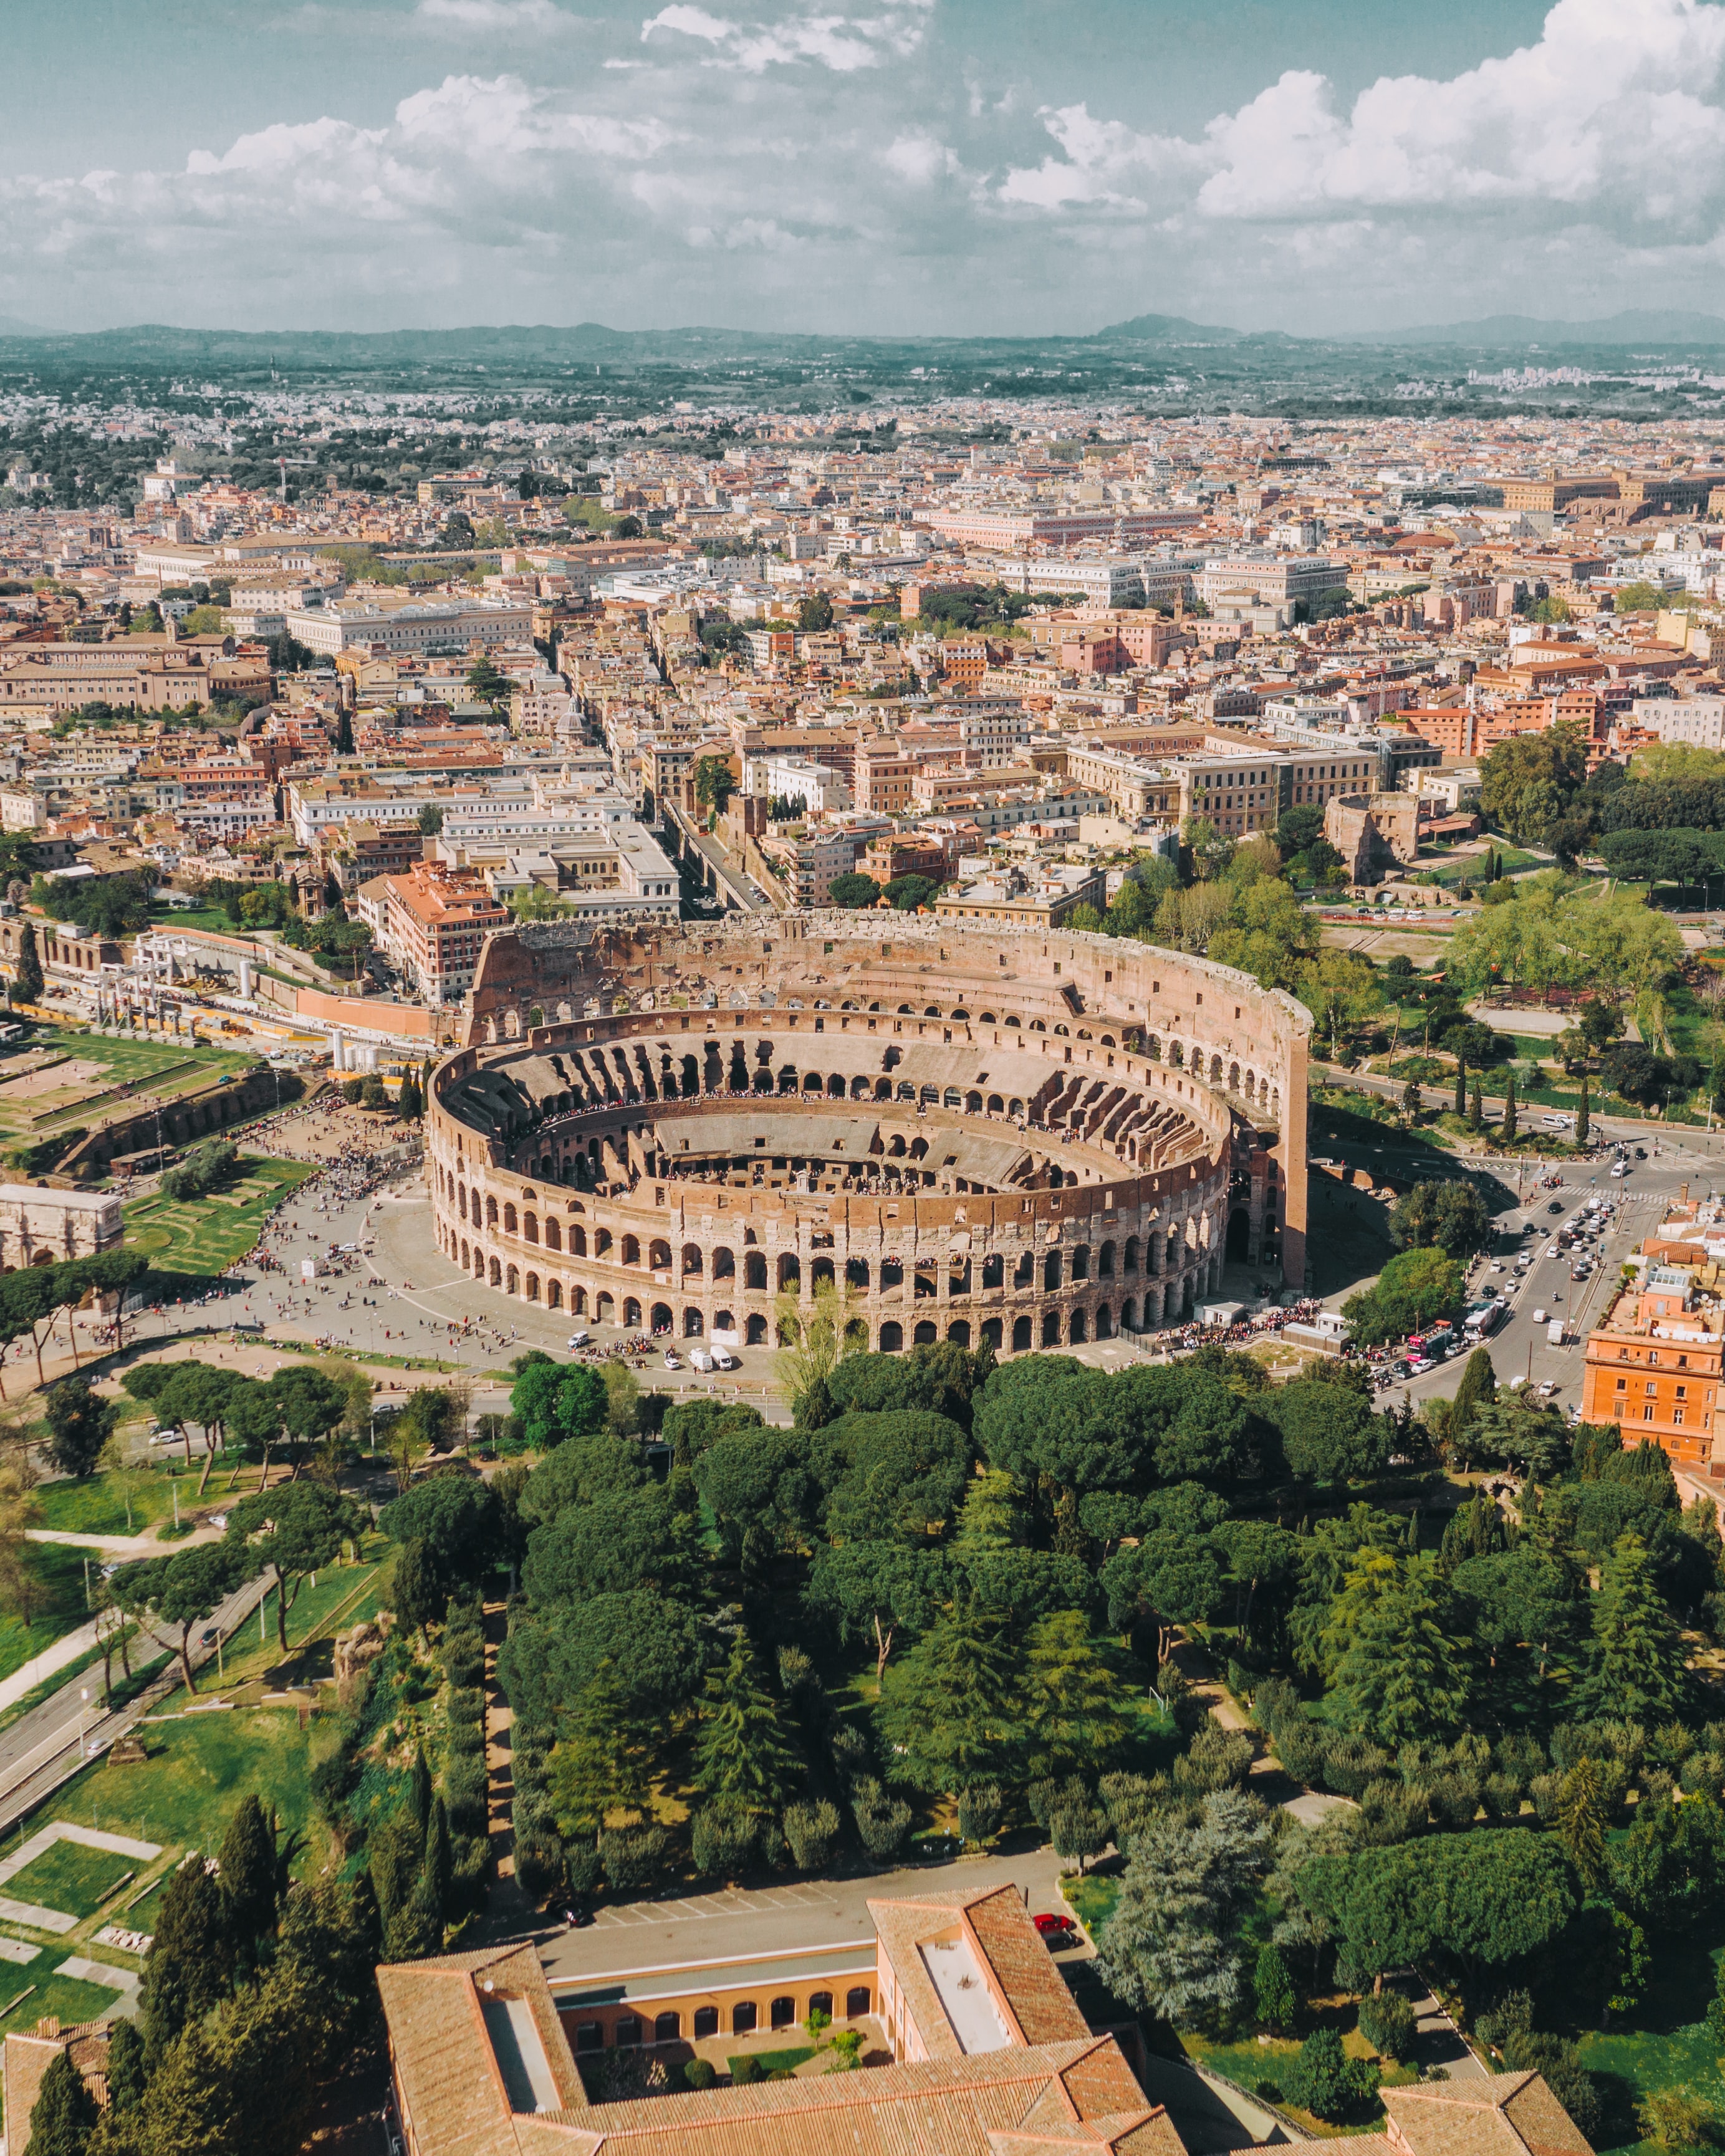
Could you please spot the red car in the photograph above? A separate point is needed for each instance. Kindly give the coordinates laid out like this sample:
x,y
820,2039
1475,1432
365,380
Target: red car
x,y
1056,1930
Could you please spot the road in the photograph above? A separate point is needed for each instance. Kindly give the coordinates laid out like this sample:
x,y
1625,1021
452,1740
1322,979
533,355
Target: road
x,y
1519,1346
49,1745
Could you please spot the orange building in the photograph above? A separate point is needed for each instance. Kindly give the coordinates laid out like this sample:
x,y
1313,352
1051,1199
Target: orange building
x,y
1656,1367
435,922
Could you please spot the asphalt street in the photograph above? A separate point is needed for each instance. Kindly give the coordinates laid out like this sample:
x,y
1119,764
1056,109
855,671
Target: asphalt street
x,y
1691,1161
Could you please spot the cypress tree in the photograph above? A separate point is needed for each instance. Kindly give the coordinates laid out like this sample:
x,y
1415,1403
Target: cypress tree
x,y
1479,1383
125,2067
27,988
1582,1124
1461,1084
438,1861
419,1790
1637,1674
250,1881
64,2114
186,1970
1477,1107
1509,1109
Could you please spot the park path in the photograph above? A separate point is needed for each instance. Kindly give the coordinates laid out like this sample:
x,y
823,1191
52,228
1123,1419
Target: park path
x,y
69,1647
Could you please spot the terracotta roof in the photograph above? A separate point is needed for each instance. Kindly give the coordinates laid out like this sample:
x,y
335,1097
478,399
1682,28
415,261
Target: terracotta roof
x,y
1040,2009
941,2107
1504,2115
28,2055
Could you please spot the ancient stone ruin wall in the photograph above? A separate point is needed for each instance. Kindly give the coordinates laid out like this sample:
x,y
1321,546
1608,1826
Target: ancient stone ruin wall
x,y
983,1133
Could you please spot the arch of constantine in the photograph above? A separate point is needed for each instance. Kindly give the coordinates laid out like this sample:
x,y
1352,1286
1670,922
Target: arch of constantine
x,y
983,1134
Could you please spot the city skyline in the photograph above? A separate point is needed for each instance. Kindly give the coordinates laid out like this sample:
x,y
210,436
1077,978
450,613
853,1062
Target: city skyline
x,y
922,167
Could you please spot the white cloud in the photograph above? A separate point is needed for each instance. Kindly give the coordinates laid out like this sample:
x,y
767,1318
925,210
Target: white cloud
x,y
1612,110
534,17
921,159
845,44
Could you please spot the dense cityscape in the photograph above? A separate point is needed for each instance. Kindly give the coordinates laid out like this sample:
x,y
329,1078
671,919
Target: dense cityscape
x,y
862,1263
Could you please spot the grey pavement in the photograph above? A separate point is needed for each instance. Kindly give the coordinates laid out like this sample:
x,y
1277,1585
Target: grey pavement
x,y
738,1924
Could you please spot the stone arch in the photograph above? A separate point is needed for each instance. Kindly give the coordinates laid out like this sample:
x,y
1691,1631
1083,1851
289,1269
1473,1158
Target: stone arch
x,y
1020,1335
755,1331
694,1263
496,1273
893,1337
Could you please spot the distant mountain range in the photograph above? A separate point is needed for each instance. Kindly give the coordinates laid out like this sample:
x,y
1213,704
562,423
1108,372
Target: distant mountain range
x,y
159,344
1634,326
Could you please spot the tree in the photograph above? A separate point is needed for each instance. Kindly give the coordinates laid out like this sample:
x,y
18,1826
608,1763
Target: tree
x,y
1273,1995
1452,1215
815,612
183,1590
1637,1671
741,1753
1582,1821
874,1590
1327,2081
1478,1389
20,1511
125,2067
1339,989
714,782
812,1341
1583,1124
1530,780
951,1702
187,1969
1402,1673
27,984
79,1424
602,1762
1415,1288
431,820
1172,1945
64,2113
296,1529
1074,1705
252,1873
552,1402
853,890
1510,1127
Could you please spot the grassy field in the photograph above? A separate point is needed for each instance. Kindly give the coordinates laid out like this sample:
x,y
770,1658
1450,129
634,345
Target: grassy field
x,y
207,1235
95,1506
336,1604
60,1578
70,1878
63,1996
60,1077
189,1788
213,919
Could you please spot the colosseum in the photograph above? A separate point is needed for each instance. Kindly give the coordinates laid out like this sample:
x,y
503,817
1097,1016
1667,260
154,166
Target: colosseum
x,y
984,1134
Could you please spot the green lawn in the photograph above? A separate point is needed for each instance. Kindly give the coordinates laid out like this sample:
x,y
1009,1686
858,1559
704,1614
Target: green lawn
x,y
63,1996
211,918
60,1578
341,1596
70,1878
67,1092
189,1788
208,1234
93,1507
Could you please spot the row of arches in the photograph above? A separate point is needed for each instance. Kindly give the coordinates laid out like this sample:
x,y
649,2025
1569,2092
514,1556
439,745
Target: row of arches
x,y
782,1272
1162,1301
627,2029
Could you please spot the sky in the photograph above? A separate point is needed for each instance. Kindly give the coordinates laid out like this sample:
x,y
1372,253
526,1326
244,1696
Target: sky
x,y
930,167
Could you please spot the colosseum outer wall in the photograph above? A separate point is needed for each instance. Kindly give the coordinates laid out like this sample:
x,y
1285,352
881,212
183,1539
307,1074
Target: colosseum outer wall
x,y
1158,1102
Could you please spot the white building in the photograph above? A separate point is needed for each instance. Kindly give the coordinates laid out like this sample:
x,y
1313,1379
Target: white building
x,y
1699,721
418,628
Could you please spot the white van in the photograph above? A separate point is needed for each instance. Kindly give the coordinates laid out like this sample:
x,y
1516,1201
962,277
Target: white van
x,y
699,1359
723,1359
579,1339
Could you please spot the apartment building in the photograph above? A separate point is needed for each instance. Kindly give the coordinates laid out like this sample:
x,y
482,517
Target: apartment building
x,y
1655,1366
1039,896
1271,579
811,860
1699,721
431,922
883,774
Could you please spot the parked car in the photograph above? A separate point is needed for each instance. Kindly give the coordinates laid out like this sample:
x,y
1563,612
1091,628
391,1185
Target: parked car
x,y
579,1339
670,1360
1058,1931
